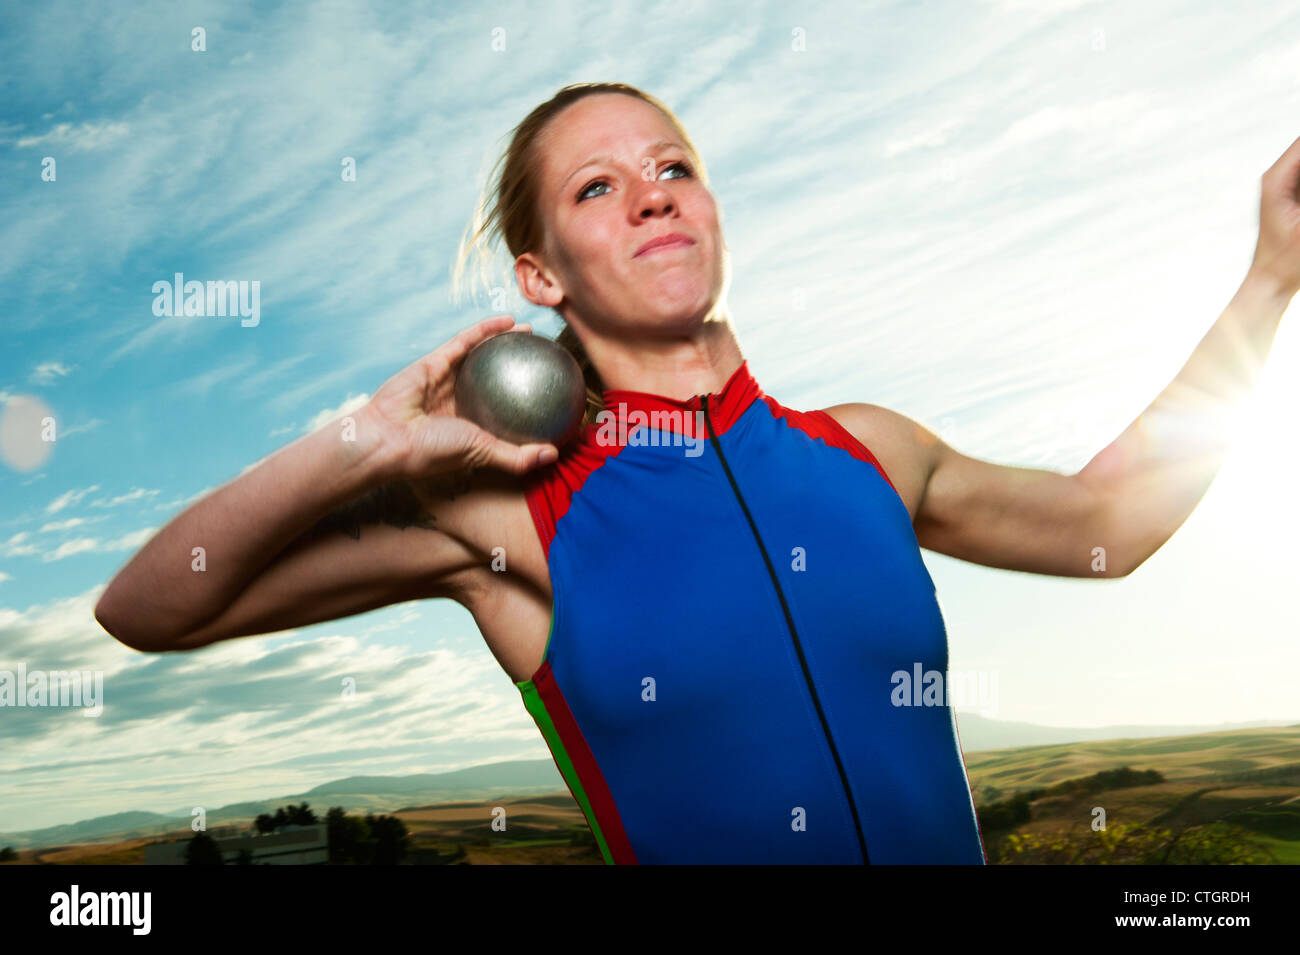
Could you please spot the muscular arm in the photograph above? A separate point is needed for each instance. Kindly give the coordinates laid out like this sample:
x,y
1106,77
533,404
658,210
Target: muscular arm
x,y
1108,518
1014,518
1154,474
382,547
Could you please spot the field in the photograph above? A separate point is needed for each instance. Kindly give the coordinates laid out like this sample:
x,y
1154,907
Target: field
x,y
1223,797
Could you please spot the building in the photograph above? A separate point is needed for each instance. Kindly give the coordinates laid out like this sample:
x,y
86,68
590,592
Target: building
x,y
288,845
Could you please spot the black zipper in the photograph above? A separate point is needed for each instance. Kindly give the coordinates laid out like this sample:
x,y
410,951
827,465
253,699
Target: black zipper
x,y
794,635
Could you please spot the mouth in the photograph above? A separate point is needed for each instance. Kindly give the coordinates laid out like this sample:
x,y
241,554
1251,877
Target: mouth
x,y
673,240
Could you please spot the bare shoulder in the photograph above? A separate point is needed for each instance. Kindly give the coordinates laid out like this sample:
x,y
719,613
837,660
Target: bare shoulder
x,y
905,449
508,591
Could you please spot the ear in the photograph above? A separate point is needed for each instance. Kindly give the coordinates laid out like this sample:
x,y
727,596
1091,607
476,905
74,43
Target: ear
x,y
536,282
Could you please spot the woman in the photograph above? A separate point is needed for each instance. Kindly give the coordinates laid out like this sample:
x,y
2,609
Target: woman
x,y
714,605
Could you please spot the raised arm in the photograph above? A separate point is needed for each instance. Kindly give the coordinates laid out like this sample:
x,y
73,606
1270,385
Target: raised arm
x,y
185,586
1107,519
206,556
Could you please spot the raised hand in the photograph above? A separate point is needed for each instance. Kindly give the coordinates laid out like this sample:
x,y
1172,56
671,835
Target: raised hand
x,y
1277,253
416,408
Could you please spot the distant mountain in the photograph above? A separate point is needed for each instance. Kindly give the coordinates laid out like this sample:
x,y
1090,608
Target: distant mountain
x,y
979,733
357,794
527,773
121,825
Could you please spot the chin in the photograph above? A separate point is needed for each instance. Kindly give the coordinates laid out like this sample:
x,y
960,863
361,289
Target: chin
x,y
681,314
677,296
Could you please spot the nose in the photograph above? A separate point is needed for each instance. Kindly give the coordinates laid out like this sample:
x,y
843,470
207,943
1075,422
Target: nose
x,y
655,201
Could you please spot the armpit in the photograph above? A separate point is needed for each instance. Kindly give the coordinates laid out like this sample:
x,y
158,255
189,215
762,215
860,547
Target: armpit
x,y
395,504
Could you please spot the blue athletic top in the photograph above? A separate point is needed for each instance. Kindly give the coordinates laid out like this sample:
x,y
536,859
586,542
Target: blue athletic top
x,y
740,615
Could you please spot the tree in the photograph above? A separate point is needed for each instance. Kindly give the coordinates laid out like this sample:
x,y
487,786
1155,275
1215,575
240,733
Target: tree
x,y
202,850
391,840
374,840
349,837
300,815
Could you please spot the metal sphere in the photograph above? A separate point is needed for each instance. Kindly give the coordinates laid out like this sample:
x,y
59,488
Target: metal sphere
x,y
522,388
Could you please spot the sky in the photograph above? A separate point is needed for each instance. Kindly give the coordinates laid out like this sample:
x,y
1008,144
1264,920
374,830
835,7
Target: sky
x,y
1009,220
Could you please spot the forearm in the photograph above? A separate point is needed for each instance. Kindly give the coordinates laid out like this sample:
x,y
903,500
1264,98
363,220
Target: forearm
x,y
171,586
1156,471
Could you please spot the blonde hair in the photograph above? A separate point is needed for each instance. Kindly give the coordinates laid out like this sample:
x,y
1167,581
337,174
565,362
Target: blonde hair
x,y
508,208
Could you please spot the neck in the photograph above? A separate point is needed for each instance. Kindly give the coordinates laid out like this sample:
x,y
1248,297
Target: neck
x,y
677,366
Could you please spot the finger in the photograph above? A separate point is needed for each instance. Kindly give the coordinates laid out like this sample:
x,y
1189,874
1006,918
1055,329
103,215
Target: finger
x,y
525,328
463,342
483,331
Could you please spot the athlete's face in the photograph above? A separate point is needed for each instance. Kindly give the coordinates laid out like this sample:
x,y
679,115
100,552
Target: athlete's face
x,y
615,176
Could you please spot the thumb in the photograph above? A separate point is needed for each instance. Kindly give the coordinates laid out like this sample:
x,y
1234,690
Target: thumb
x,y
515,458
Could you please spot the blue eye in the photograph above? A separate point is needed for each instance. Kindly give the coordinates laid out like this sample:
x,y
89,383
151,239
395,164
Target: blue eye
x,y
685,167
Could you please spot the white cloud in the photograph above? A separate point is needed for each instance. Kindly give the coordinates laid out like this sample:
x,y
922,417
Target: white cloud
x,y
182,502
68,498
19,546
90,425
78,137
352,403
926,139
46,372
274,374
96,545
78,545
69,523
203,382
230,715
134,495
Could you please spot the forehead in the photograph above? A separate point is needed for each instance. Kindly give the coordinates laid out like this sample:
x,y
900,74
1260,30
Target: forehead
x,y
602,124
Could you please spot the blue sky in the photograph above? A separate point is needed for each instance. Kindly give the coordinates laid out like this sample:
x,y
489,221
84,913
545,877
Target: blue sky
x,y
1011,221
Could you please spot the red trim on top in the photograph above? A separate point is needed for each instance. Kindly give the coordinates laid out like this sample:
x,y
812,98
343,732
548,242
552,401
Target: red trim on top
x,y
819,424
550,490
725,406
584,764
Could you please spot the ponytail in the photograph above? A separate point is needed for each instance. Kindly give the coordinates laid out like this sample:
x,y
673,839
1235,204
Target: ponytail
x,y
568,340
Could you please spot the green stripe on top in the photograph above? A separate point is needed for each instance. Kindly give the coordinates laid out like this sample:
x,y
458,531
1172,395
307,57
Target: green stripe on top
x,y
533,703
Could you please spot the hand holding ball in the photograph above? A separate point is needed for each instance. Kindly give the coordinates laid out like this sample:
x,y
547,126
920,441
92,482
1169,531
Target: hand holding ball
x,y
522,388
